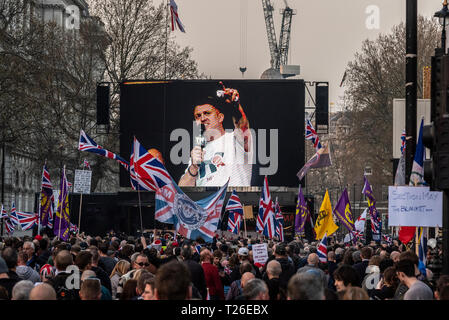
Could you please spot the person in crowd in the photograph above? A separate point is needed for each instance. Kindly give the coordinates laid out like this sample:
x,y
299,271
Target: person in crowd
x,y
246,277
313,262
274,270
287,266
236,288
47,273
360,267
196,271
355,293
25,272
29,249
141,280
387,286
306,285
256,289
173,282
148,293
101,274
43,291
11,259
345,276
442,288
5,281
22,289
90,289
105,262
417,290
63,261
213,281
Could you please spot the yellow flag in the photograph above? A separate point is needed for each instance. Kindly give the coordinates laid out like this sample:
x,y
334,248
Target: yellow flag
x,y
325,222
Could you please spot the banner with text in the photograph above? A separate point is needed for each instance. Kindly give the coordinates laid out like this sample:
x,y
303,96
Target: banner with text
x,y
415,206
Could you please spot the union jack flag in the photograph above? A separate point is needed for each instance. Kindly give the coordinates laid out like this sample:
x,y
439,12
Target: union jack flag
x,y
9,226
86,164
73,228
312,135
27,220
266,219
322,249
86,143
3,213
149,168
403,139
47,199
191,219
175,21
13,215
387,239
235,209
137,182
279,221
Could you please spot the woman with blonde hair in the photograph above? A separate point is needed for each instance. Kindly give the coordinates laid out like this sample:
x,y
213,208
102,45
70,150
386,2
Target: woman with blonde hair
x,y
121,268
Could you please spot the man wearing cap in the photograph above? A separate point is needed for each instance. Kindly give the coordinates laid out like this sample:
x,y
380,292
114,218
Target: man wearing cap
x,y
224,155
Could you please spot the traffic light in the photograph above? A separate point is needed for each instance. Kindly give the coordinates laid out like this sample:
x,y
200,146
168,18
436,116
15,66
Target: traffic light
x,y
436,135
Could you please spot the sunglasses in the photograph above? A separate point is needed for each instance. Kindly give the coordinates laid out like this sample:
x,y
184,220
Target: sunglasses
x,y
146,264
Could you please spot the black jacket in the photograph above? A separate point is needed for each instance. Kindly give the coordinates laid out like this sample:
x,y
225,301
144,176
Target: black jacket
x,y
360,267
104,278
197,276
288,270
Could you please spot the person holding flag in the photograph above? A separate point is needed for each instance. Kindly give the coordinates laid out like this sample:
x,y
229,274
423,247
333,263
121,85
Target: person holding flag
x,y
235,218
325,224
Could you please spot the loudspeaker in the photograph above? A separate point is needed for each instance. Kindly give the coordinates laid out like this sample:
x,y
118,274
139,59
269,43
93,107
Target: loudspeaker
x,y
322,105
103,105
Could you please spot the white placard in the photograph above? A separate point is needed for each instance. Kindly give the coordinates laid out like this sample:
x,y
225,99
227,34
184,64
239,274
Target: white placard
x,y
415,207
82,181
56,196
260,253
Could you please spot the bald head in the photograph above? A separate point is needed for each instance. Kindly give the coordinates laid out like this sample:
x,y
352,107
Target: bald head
x,y
246,277
313,259
43,292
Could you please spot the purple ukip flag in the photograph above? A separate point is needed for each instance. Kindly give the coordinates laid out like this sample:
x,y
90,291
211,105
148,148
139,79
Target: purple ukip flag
x,y
302,213
61,223
376,222
344,213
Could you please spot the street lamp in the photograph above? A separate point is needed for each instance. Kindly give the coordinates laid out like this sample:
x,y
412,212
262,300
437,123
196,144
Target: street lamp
x,y
443,19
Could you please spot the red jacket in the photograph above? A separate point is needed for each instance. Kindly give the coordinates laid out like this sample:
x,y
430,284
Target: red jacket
x,y
213,281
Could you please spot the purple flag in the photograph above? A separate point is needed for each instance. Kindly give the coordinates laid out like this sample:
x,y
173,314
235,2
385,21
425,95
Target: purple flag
x,y
302,213
376,222
61,224
344,213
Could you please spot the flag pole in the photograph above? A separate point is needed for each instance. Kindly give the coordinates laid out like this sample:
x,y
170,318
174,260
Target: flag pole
x,y
166,40
140,210
39,206
244,222
81,203
60,205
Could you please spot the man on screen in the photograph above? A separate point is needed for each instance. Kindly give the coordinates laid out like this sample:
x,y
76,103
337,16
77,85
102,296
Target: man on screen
x,y
223,155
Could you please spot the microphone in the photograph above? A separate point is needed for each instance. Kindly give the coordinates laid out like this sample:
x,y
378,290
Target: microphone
x,y
200,140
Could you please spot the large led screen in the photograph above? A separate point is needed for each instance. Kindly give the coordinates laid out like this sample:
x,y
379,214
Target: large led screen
x,y
209,131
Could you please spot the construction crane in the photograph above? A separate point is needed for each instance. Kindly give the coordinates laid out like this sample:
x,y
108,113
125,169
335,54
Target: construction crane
x,y
278,53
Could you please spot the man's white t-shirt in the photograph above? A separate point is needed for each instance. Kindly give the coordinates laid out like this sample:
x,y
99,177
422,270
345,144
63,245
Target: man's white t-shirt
x,y
225,158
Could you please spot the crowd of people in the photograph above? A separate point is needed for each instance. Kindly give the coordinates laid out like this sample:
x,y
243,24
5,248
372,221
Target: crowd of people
x,y
158,266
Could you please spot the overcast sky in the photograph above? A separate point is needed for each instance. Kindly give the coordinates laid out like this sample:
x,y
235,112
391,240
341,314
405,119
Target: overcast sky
x,y
325,35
